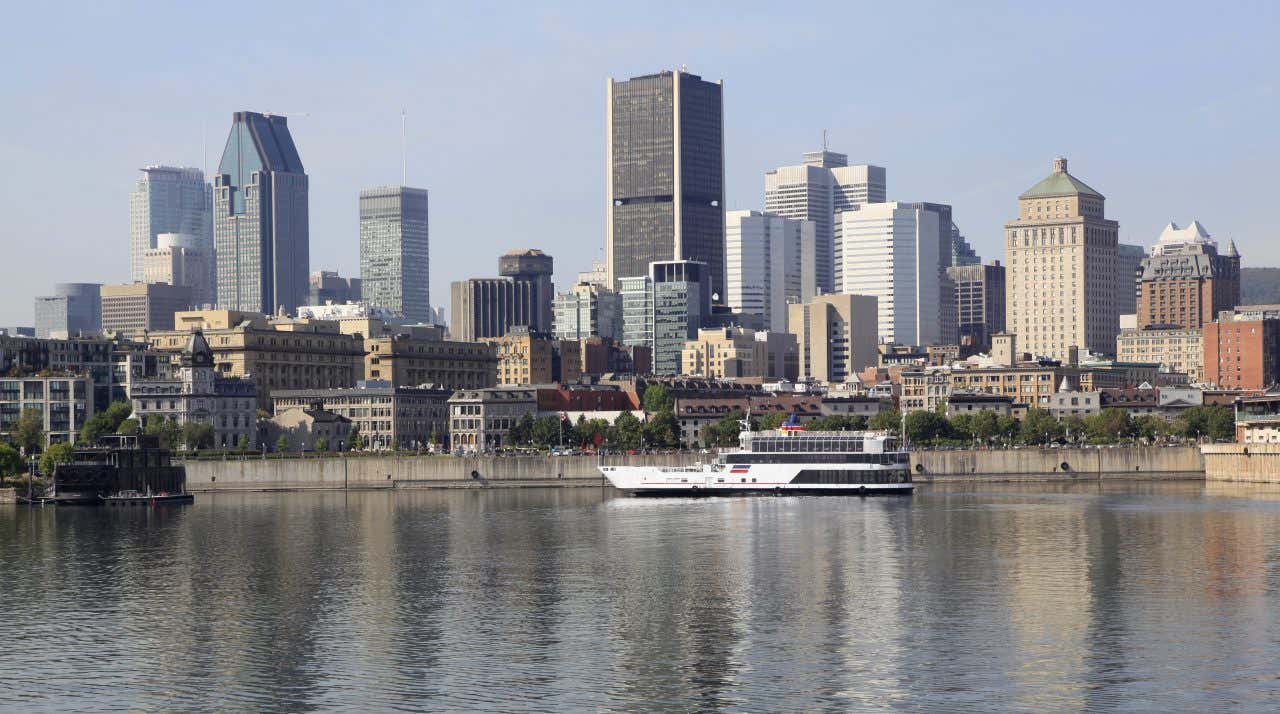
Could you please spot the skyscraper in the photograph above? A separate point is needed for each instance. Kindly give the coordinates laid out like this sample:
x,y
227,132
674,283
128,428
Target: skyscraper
x,y
489,307
169,200
72,310
665,189
891,251
1185,281
664,309
979,293
394,260
1061,274
261,217
769,263
179,260
1128,273
837,336
821,186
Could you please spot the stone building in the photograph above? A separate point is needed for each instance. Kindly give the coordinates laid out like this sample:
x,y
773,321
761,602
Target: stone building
x,y
386,416
479,419
303,427
1178,349
406,360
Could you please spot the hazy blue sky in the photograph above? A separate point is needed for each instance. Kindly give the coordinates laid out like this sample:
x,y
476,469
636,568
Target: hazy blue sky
x,y
1169,109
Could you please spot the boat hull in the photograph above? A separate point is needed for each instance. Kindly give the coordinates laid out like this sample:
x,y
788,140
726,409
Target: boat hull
x,y
772,480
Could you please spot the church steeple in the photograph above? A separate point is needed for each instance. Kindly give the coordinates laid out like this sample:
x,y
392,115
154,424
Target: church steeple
x,y
197,353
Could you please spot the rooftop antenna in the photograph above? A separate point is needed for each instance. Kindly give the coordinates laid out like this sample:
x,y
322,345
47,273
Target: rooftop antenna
x,y
824,139
404,158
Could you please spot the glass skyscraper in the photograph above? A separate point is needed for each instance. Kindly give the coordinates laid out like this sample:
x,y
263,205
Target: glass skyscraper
x,y
394,262
260,217
169,200
666,174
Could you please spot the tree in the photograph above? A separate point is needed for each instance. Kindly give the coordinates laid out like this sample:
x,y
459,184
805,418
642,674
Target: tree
x,y
521,432
1220,423
926,426
197,435
725,431
282,444
1039,427
1108,426
838,422
985,424
128,426
627,431
322,444
28,431
107,421
1150,427
545,432
887,420
356,439
657,399
60,453
243,442
1075,427
962,425
772,421
662,430
1007,427
592,432
10,461
167,430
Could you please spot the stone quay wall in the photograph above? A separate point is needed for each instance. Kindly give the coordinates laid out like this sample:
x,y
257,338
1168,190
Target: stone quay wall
x,y
1253,463
370,472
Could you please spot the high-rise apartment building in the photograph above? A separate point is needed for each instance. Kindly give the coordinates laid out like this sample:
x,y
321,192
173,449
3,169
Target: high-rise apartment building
x,y
663,309
822,185
522,296
74,309
588,310
170,199
260,208
1061,277
394,259
836,335
1185,282
979,292
665,188
769,263
891,251
180,259
140,307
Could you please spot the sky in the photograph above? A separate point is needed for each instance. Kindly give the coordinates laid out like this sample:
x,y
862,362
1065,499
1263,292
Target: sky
x,y
1169,109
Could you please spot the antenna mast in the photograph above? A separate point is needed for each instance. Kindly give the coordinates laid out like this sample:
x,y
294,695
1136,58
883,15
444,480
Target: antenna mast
x,y
824,139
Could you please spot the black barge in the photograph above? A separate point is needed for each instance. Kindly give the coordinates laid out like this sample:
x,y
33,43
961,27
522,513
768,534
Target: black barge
x,y
121,470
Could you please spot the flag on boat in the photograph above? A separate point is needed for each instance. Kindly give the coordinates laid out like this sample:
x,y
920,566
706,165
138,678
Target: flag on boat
x,y
740,469
792,424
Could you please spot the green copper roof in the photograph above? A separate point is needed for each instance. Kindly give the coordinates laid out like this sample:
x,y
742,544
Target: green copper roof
x,y
1060,183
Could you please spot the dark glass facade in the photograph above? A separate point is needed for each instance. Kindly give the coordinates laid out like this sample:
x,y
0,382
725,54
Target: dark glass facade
x,y
261,217
666,129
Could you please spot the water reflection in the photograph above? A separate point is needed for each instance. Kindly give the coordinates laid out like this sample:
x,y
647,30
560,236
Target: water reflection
x,y
1079,598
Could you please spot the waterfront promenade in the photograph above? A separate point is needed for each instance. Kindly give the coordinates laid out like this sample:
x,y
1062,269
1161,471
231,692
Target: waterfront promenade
x,y
409,471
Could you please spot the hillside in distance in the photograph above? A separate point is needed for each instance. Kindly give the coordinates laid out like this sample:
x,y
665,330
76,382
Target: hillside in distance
x,y
1259,286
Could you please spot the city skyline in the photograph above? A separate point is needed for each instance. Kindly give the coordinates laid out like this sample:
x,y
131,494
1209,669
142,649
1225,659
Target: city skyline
x,y
1194,143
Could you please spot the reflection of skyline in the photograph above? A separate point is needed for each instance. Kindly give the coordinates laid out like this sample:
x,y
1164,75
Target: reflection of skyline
x,y
1016,598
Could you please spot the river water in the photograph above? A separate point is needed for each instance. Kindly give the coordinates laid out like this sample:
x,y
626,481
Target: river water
x,y
986,598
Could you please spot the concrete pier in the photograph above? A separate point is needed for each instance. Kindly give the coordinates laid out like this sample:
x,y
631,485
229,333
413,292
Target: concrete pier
x,y
1250,463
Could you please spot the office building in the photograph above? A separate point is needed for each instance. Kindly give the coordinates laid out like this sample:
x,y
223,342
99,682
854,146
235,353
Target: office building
x,y
979,292
821,186
738,353
1177,349
664,309
260,218
73,310
1061,275
407,360
588,310
769,263
522,296
1242,350
524,358
479,419
142,307
1128,272
836,336
170,199
326,286
598,275
182,260
1185,281
961,252
65,402
200,395
891,251
394,258
665,188
386,416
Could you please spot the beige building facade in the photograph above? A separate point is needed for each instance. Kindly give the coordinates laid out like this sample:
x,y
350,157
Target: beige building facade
x,y
1061,280
136,307
836,336
1179,349
523,358
408,361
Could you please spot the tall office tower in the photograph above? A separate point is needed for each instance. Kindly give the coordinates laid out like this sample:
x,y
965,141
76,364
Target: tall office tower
x,y
837,336
394,261
769,263
73,309
138,307
261,217
662,310
1061,275
178,259
822,185
979,292
890,250
169,199
961,252
522,297
1185,281
666,174
326,286
948,233
588,310
1128,273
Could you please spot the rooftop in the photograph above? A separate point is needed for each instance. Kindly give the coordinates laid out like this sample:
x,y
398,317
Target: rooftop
x,y
1060,183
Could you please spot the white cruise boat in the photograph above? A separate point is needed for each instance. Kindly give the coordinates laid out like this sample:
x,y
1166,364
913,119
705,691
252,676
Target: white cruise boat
x,y
786,461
